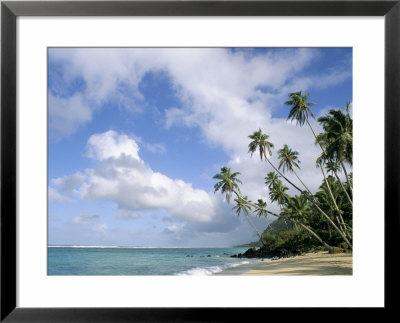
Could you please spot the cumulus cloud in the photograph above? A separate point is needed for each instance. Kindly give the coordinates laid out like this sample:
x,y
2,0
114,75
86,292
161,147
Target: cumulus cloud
x,y
111,145
125,179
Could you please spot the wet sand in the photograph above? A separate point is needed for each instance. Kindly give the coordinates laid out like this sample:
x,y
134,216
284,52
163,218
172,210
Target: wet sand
x,y
317,264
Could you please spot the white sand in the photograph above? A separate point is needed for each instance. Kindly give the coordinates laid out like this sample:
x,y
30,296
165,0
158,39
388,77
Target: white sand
x,y
318,264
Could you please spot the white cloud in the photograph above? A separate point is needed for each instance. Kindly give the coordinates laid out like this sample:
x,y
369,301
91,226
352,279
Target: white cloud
x,y
111,145
125,179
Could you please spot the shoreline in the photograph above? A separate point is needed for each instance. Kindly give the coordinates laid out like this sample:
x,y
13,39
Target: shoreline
x,y
317,264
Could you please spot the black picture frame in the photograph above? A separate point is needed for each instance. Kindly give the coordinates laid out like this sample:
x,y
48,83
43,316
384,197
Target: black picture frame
x,y
10,10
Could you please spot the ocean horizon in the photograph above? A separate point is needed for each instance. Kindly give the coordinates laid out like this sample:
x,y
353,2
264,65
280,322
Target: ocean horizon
x,y
76,260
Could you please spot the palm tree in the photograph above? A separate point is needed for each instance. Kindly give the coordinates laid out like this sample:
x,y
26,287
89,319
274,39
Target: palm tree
x,y
331,166
278,193
300,108
299,111
271,179
228,183
300,207
261,208
260,142
289,161
242,205
338,137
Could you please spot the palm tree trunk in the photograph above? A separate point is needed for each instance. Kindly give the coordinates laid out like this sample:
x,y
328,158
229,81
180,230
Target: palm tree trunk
x,y
323,150
255,229
347,177
302,182
343,188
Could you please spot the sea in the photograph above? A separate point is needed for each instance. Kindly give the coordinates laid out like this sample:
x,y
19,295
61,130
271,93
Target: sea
x,y
115,261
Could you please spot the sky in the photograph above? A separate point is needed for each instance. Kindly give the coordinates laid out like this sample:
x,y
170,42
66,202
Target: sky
x,y
135,136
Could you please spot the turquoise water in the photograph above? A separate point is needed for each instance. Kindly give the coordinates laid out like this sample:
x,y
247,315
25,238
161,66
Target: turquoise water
x,y
141,261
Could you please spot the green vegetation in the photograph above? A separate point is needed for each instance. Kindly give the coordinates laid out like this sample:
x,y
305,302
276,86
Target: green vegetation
x,y
306,221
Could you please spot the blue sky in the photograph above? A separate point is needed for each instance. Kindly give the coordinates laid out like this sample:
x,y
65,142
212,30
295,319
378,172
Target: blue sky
x,y
136,134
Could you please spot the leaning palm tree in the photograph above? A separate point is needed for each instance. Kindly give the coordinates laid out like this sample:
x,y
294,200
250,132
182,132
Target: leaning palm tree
x,y
261,208
338,136
331,163
289,161
300,207
228,183
300,109
271,179
242,205
278,194
331,166
260,142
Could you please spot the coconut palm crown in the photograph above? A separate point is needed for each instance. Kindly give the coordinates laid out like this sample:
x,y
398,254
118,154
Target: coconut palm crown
x,y
228,182
300,107
260,208
338,135
271,179
242,205
288,158
260,142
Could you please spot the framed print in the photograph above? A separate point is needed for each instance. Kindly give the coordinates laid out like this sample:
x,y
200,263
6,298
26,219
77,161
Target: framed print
x,y
121,120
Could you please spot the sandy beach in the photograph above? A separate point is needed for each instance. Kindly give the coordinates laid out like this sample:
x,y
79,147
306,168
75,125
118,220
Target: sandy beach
x,y
317,264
